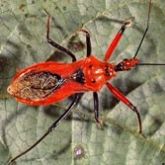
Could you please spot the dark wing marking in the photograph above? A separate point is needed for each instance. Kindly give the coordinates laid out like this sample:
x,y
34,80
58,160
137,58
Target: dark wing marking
x,y
38,85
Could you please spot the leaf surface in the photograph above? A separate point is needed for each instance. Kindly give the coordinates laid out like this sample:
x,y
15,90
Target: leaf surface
x,y
79,140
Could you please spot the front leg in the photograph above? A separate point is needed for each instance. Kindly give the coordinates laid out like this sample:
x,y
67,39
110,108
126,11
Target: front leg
x,y
122,98
116,40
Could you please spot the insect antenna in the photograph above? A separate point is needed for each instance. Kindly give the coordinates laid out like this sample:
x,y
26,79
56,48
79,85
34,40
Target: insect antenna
x,y
145,32
153,64
141,41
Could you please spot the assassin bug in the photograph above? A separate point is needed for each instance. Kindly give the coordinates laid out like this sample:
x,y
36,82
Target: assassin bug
x,y
50,82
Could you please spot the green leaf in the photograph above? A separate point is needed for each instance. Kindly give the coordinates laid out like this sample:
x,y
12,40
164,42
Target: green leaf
x,y
79,140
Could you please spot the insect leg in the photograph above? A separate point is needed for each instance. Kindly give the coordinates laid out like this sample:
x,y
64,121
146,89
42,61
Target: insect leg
x,y
123,98
51,128
88,42
96,106
116,40
56,45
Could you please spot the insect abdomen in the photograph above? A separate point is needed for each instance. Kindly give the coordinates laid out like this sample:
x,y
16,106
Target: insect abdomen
x,y
36,85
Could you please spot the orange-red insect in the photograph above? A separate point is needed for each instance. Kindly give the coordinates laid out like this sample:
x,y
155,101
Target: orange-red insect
x,y
50,82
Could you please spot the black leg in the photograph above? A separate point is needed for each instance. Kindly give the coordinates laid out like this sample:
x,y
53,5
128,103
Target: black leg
x,y
56,45
51,128
96,106
88,42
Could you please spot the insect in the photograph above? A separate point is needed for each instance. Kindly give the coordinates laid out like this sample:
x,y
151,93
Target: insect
x,y
51,82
